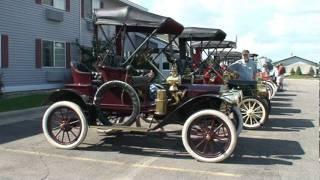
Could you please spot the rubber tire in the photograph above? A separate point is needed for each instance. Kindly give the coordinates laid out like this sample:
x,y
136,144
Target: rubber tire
x,y
239,124
223,117
264,117
270,90
134,96
274,88
83,121
266,102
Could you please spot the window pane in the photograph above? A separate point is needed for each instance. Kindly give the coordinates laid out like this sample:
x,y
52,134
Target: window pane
x,y
95,4
60,4
47,53
48,2
60,54
88,8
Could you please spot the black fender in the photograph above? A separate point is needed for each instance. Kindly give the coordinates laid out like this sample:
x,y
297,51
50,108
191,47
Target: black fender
x,y
71,95
180,114
67,95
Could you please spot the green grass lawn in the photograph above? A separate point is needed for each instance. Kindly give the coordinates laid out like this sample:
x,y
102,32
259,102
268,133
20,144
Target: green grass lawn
x,y
22,102
300,77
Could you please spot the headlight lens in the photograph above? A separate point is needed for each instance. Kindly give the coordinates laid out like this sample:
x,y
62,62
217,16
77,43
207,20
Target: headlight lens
x,y
232,96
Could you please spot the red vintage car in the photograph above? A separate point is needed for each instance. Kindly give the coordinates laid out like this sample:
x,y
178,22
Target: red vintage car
x,y
117,94
255,105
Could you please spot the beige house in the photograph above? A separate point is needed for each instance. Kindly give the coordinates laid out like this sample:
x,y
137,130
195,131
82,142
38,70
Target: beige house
x,y
295,61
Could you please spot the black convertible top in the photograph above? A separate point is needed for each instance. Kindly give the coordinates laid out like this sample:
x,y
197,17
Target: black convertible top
x,y
137,20
202,34
214,44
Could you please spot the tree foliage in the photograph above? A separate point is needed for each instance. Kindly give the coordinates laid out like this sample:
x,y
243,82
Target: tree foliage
x,y
292,72
298,71
311,71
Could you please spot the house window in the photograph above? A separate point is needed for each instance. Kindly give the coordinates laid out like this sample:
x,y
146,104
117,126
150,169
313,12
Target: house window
x,y
90,6
59,4
53,54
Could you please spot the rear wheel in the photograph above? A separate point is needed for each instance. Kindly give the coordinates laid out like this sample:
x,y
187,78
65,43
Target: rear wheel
x,y
209,136
254,113
64,125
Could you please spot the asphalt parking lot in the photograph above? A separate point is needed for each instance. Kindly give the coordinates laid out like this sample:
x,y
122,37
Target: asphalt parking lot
x,y
287,147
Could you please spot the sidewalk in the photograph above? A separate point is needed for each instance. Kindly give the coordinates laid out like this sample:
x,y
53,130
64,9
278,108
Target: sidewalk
x,y
21,115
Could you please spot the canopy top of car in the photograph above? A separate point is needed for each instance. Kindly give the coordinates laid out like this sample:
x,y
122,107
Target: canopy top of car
x,y
253,55
214,44
136,20
202,34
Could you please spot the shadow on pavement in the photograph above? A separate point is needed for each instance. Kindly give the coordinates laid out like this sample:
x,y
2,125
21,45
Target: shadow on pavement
x,y
266,152
15,131
280,104
285,95
281,99
144,145
248,151
287,125
284,111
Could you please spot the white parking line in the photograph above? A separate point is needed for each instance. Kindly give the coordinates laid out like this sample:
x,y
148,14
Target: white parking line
x,y
144,165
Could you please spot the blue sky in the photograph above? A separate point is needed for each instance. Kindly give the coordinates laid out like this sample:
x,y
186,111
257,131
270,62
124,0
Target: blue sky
x,y
273,28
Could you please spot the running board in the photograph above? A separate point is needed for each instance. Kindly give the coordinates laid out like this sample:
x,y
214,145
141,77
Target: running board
x,y
108,129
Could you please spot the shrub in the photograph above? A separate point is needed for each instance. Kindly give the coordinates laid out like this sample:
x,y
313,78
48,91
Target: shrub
x,y
311,71
292,72
298,72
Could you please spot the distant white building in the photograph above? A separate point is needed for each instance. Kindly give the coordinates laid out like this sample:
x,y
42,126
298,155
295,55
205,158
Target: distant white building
x,y
295,61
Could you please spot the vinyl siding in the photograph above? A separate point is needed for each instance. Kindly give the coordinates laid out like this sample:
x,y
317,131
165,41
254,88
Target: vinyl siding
x,y
24,21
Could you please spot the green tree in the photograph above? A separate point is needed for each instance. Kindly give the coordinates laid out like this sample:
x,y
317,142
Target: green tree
x,y
311,71
292,72
298,72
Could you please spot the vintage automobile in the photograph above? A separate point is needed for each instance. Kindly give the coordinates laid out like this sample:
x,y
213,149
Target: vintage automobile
x,y
265,68
117,95
256,105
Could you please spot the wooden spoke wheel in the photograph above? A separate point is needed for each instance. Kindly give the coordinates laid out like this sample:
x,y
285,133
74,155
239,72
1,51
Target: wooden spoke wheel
x,y
254,113
209,136
64,125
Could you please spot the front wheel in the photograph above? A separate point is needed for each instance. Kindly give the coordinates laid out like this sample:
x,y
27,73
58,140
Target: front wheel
x,y
209,136
254,113
273,87
236,118
64,125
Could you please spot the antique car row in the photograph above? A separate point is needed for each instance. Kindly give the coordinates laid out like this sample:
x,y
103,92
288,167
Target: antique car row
x,y
202,96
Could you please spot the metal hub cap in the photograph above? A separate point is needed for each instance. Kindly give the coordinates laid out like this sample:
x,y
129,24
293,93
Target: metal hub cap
x,y
250,112
65,126
208,137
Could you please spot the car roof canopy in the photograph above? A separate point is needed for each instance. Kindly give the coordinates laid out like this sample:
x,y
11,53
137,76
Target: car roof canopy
x,y
202,34
137,20
214,44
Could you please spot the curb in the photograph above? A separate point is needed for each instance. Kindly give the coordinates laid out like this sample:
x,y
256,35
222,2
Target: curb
x,y
23,112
